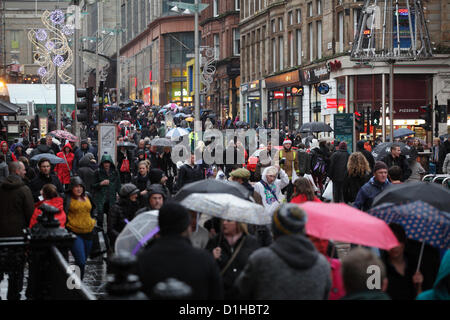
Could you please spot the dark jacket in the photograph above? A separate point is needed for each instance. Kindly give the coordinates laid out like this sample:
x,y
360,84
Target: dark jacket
x,y
86,171
42,148
40,180
167,165
188,174
304,162
238,264
17,206
107,193
352,185
338,166
369,157
163,259
121,210
155,161
401,162
368,192
290,269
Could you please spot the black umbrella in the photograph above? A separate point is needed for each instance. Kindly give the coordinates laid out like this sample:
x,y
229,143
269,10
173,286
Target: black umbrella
x,y
315,127
383,149
127,145
432,193
213,186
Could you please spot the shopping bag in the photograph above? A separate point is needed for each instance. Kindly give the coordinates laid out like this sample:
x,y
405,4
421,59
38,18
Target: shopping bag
x,y
311,179
125,167
100,243
328,193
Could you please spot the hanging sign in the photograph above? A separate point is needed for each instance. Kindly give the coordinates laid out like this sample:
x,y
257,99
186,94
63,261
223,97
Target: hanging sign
x,y
323,88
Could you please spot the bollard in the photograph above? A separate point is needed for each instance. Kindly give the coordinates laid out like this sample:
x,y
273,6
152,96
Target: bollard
x,y
171,289
122,283
45,234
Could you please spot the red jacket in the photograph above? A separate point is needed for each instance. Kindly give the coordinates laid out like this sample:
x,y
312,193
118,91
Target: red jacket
x,y
61,169
55,202
302,198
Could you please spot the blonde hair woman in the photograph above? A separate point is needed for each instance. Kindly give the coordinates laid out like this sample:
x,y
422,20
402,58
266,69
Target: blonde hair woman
x,y
358,172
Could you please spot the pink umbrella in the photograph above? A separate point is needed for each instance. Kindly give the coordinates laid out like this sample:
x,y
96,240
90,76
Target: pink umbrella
x,y
340,222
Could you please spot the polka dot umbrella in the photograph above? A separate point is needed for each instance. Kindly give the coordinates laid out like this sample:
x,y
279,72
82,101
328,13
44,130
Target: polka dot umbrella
x,y
422,222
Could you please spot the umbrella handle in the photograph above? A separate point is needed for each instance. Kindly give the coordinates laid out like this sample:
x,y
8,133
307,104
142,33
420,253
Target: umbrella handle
x,y
420,256
144,240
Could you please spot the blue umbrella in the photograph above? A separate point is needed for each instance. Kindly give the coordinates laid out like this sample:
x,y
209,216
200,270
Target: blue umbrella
x,y
177,132
181,114
422,222
53,159
403,132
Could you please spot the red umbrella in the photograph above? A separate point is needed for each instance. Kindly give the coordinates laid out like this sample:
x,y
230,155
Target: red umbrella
x,y
62,134
340,222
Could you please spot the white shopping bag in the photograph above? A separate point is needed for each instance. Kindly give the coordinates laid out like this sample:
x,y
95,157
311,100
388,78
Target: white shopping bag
x,y
311,179
328,193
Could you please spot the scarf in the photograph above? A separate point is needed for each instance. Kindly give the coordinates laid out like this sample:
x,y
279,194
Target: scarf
x,y
270,192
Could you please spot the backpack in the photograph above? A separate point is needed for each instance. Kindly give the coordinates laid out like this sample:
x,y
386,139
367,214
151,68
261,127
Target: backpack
x,y
318,165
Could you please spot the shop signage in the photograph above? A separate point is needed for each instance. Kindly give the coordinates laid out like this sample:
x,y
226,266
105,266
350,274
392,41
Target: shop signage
x,y
297,91
278,94
334,103
315,74
323,88
343,128
283,80
244,88
334,65
254,85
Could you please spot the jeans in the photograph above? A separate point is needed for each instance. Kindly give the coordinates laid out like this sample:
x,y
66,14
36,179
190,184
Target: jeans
x,y
80,250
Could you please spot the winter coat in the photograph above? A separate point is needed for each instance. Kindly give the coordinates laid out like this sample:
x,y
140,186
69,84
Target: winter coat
x,y
232,272
103,194
9,156
63,170
80,153
301,198
16,152
17,206
268,200
80,224
291,162
446,165
338,166
368,192
304,162
40,149
188,174
441,157
352,185
4,172
121,210
290,269
86,171
440,289
162,260
401,162
40,180
369,157
154,160
167,165
57,202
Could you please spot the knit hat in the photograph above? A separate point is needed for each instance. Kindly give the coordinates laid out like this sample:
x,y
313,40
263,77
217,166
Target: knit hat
x,y
156,188
343,145
173,218
287,141
127,190
288,219
379,165
241,173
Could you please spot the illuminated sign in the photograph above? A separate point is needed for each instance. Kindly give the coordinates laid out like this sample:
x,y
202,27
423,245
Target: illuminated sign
x,y
178,93
403,12
366,32
297,91
278,94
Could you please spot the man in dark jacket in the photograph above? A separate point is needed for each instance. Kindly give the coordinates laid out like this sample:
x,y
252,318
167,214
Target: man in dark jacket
x,y
84,149
338,171
355,274
395,158
42,148
371,189
154,199
189,173
86,170
291,268
367,154
154,158
51,144
43,177
15,214
304,160
162,260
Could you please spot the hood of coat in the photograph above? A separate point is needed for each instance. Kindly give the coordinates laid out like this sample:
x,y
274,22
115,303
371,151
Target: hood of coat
x,y
18,145
2,144
85,161
440,284
107,158
67,146
296,250
12,182
266,172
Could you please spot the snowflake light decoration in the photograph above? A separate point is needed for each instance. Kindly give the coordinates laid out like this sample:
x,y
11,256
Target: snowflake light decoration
x,y
42,71
50,45
41,35
58,60
57,17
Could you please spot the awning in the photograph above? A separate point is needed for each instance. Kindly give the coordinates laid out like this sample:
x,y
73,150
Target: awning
x,y
8,109
283,80
22,93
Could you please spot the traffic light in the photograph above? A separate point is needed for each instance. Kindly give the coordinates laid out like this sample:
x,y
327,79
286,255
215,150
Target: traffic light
x,y
84,105
426,114
376,118
368,115
359,121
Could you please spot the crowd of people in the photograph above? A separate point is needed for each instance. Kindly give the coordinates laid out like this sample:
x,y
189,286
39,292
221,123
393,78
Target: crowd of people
x,y
220,258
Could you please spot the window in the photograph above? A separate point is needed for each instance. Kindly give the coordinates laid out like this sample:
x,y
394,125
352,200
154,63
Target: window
x,y
15,37
281,49
319,39
319,7
274,55
299,16
280,24
237,5
299,47
341,31
311,41
274,28
236,42
291,18
216,8
310,9
291,50
216,47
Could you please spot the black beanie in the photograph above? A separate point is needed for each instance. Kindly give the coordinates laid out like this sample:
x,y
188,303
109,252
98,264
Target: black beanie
x,y
379,165
173,218
155,175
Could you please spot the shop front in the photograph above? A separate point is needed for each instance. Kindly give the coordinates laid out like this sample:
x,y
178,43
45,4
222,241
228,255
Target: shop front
x,y
284,107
